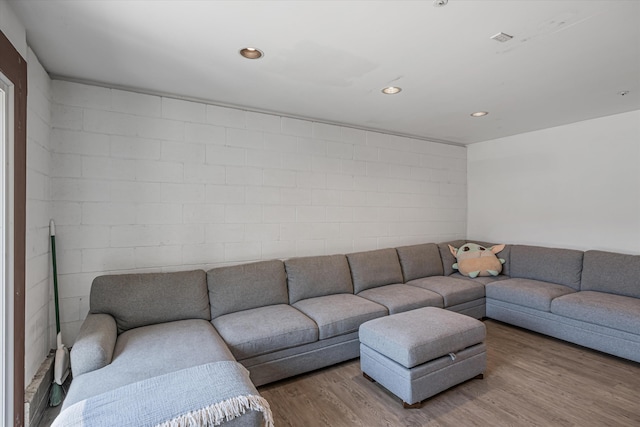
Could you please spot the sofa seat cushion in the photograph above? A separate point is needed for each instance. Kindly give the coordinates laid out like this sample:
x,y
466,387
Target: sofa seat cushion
x,y
527,292
150,351
340,314
398,298
482,280
613,311
266,329
453,291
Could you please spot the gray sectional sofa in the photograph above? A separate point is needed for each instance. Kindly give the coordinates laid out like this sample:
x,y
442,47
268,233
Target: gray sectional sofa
x,y
282,318
588,298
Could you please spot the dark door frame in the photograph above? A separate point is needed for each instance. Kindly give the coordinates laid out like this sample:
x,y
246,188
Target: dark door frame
x,y
14,67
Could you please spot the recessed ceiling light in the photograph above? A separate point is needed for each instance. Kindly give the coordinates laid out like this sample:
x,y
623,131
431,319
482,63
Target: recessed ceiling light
x,y
479,114
440,3
251,53
391,90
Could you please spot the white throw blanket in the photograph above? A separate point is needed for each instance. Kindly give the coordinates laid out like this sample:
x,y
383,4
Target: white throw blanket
x,y
201,396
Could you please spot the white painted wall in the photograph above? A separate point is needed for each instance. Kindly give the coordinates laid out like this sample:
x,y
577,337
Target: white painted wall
x,y
40,323
573,186
39,335
13,28
146,183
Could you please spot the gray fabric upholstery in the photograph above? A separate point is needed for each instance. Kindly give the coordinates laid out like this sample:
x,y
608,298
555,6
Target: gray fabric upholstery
x,y
167,347
398,298
447,259
292,351
421,335
475,308
250,309
304,358
611,272
420,261
526,292
598,337
453,291
374,268
482,280
614,311
94,345
423,381
317,276
339,314
192,396
149,351
246,286
136,300
262,330
560,266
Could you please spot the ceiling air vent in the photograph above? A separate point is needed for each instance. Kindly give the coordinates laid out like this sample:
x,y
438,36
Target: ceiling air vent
x,y
502,37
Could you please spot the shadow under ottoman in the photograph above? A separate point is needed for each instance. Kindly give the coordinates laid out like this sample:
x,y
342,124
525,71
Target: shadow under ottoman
x,y
419,353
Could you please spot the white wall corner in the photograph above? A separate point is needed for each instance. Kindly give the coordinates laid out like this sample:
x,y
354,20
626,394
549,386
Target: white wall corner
x,y
12,28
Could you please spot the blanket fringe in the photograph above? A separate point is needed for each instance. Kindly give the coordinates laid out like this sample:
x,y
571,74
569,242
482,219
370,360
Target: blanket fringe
x,y
227,410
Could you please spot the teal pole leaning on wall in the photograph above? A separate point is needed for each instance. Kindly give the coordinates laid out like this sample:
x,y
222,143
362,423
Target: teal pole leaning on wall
x,y
61,363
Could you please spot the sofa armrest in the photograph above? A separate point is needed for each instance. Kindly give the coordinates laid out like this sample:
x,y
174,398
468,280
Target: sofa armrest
x,y
94,345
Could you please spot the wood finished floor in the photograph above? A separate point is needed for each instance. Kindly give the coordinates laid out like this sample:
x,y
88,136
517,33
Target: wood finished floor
x,y
531,380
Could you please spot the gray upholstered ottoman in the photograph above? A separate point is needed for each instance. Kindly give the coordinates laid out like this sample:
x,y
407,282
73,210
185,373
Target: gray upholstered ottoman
x,y
419,353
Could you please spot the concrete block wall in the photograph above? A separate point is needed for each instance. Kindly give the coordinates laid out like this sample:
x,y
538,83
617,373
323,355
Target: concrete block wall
x,y
147,183
39,320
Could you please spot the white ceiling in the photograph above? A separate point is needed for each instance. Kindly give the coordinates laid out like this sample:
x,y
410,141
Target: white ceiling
x,y
328,60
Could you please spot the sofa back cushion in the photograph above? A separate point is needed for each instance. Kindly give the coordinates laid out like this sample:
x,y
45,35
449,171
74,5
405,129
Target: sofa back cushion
x,y
447,258
317,276
612,273
560,266
419,261
143,299
374,268
246,286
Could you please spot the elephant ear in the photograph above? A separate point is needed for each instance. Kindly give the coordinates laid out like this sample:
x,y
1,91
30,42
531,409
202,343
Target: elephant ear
x,y
496,248
453,251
